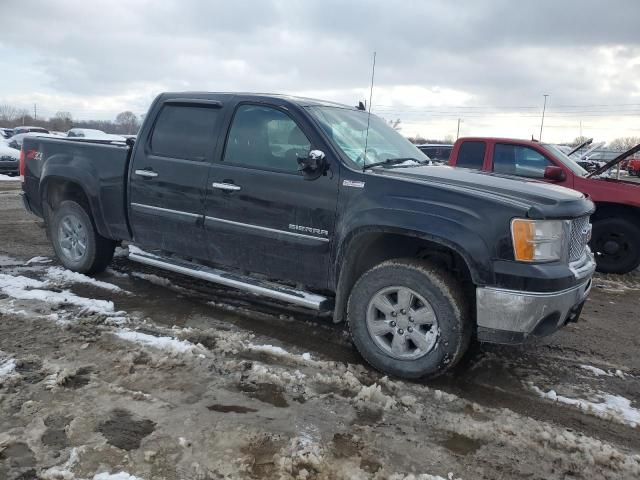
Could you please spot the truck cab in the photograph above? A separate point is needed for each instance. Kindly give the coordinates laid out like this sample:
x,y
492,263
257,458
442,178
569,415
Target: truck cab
x,y
616,223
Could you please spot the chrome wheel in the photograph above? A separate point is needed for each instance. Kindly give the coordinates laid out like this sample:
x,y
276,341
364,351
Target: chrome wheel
x,y
72,238
402,323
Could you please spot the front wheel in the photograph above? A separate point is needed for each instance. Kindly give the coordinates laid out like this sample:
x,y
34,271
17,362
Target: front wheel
x,y
616,245
77,244
409,319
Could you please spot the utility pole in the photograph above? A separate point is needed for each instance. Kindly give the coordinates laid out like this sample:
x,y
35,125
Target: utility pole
x,y
458,132
581,129
35,111
544,108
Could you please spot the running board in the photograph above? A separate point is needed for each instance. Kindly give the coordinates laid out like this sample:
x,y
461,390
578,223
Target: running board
x,y
248,284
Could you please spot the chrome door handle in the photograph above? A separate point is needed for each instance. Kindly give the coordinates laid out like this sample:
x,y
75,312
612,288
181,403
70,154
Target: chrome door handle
x,y
146,173
228,187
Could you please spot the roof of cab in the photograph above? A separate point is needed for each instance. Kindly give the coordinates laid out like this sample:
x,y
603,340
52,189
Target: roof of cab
x,y
300,101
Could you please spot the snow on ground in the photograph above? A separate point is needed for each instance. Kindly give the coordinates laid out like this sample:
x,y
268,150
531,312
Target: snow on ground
x,y
602,404
169,344
7,178
58,274
115,476
24,288
7,366
598,372
38,260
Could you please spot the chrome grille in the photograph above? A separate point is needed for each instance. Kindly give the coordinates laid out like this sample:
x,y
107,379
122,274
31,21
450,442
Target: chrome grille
x,y
580,235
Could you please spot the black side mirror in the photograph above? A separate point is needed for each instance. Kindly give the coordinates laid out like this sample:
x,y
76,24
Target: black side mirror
x,y
313,165
554,173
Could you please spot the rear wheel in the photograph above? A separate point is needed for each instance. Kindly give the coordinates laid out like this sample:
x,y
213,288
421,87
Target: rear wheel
x,y
616,245
409,319
77,244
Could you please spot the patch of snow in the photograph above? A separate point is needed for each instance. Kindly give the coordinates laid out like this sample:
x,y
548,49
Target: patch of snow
x,y
115,476
38,260
59,274
269,349
7,178
7,367
603,405
373,396
169,344
121,252
598,372
24,288
306,356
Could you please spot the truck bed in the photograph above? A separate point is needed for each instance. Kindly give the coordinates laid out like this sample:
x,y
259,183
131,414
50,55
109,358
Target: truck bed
x,y
98,168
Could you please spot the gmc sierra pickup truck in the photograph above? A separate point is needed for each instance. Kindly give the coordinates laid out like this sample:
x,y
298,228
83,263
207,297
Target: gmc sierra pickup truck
x,y
325,207
616,222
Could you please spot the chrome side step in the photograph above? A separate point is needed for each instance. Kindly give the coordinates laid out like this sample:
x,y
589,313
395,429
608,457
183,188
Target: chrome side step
x,y
248,284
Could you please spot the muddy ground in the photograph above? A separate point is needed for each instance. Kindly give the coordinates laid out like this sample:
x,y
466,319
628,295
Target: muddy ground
x,y
143,374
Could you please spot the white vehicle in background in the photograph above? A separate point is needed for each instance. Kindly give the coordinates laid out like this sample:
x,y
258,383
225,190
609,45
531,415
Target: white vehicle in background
x,y
9,158
93,134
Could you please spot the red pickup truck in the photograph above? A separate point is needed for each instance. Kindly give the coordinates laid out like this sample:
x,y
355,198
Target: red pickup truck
x,y
616,222
633,167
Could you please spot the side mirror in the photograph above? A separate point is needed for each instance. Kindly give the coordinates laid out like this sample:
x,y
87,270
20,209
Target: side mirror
x,y
313,165
555,174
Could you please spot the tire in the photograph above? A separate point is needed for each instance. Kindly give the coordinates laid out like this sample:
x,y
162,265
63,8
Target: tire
x,y
444,345
71,222
616,245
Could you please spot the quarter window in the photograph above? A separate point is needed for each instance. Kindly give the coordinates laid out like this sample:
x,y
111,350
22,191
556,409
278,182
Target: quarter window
x,y
519,160
186,132
265,137
471,155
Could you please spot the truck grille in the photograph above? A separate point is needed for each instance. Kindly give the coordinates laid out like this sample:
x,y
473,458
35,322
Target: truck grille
x,y
580,236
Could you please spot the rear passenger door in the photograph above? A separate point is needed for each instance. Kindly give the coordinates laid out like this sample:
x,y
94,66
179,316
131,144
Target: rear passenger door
x,y
262,216
169,174
471,154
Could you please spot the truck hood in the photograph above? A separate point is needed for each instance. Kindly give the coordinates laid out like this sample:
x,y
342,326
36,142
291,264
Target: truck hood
x,y
538,199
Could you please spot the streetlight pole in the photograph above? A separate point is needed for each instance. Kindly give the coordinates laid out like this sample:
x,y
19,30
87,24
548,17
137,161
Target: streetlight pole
x,y
544,108
458,132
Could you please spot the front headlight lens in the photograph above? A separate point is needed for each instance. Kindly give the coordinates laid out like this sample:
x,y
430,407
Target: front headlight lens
x,y
538,240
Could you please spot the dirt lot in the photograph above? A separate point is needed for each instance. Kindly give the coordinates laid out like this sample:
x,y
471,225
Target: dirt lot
x,y
141,374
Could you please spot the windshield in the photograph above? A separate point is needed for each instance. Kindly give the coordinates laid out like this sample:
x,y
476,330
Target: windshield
x,y
348,130
566,160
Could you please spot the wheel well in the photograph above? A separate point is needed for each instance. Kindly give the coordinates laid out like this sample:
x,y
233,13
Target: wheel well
x,y
608,210
59,190
370,249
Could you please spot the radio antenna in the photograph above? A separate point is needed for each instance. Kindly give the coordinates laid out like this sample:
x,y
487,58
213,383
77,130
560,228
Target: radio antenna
x,y
366,137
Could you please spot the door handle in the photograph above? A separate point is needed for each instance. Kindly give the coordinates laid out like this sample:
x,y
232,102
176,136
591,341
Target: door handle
x,y
227,187
146,173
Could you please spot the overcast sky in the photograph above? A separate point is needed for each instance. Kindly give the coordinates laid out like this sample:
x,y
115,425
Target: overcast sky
x,y
487,62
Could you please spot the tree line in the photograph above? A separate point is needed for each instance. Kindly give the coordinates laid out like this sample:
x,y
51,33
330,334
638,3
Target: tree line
x,y
125,123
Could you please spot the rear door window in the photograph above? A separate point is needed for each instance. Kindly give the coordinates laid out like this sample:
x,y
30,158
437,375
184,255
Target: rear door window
x,y
471,155
519,160
186,132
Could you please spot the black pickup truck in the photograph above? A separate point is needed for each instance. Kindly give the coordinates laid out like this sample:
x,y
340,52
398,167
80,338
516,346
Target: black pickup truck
x,y
319,205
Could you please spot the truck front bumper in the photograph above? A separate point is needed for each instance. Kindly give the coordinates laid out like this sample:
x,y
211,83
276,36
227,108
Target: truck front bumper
x,y
511,316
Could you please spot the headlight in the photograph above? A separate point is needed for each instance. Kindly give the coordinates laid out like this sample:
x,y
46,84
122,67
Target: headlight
x,y
538,240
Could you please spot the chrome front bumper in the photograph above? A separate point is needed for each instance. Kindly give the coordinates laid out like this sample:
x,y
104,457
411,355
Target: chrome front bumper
x,y
510,316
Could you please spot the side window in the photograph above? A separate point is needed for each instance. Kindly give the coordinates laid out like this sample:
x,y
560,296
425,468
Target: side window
x,y
519,160
186,132
265,137
471,155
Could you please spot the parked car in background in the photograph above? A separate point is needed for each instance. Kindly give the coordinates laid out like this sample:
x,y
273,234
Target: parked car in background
x,y
9,158
616,222
633,167
16,140
20,130
6,132
93,134
437,152
279,196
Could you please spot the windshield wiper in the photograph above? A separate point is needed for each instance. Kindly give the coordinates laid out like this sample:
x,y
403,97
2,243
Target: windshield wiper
x,y
392,161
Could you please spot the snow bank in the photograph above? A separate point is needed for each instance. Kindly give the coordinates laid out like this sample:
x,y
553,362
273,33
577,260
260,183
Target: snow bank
x,y
7,178
169,344
603,405
24,288
59,274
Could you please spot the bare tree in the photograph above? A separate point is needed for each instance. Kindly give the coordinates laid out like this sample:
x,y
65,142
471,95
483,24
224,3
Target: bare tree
x,y
62,121
8,113
128,121
578,140
623,143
